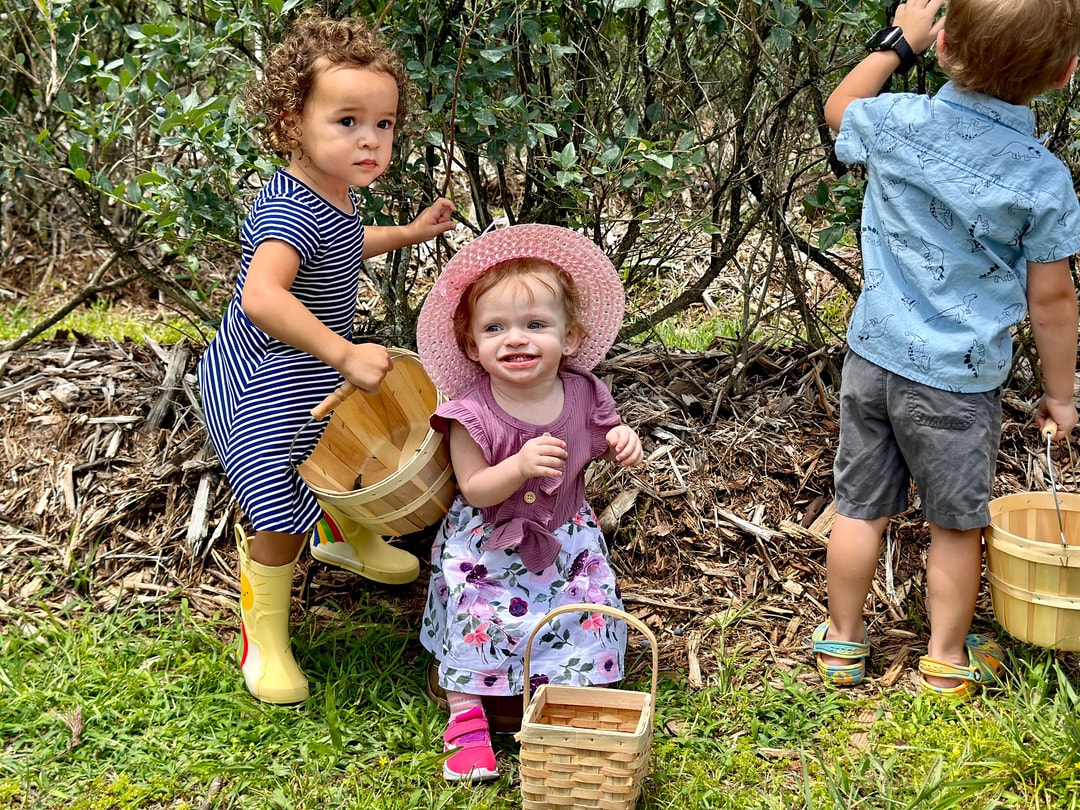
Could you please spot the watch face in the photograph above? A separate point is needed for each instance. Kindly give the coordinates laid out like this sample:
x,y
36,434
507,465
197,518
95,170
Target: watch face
x,y
885,39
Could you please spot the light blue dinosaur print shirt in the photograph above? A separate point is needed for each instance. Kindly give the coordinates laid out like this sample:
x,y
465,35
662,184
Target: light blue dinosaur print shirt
x,y
959,198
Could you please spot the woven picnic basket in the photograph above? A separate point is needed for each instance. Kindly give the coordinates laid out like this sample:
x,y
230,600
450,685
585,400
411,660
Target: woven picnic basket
x,y
585,747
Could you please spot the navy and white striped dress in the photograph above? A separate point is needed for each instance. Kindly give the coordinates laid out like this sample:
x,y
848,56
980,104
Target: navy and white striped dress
x,y
257,391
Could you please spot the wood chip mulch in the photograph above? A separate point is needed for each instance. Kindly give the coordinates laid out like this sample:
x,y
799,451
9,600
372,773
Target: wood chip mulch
x,y
110,495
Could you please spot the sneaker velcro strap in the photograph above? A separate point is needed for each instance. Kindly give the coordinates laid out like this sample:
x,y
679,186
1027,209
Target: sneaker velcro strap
x,y
462,726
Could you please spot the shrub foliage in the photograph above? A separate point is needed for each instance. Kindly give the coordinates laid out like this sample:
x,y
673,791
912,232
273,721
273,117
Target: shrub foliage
x,y
685,136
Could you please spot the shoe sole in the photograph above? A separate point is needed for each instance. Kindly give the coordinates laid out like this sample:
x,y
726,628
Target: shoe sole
x,y
387,576
475,775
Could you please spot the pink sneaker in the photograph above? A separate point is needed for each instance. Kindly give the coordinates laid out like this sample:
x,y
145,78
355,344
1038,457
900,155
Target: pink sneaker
x,y
468,737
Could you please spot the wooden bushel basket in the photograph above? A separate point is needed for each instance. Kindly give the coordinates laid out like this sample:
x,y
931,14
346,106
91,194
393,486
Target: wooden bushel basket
x,y
585,747
1034,579
379,463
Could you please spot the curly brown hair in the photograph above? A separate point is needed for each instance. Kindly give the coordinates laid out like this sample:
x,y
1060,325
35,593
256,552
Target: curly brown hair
x,y
292,66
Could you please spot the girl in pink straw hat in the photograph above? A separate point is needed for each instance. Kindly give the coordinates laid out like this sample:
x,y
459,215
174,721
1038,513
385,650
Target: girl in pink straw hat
x,y
509,333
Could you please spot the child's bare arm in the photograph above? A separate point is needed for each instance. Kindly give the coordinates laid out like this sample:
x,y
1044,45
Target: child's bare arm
x,y
1052,309
269,303
919,20
434,220
484,485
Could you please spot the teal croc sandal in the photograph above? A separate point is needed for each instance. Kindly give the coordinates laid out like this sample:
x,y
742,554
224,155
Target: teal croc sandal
x,y
840,674
986,665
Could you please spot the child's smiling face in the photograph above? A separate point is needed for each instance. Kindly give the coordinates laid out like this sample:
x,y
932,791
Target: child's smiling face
x,y
519,331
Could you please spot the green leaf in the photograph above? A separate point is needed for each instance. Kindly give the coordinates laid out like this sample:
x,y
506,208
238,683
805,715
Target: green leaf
x,y
665,159
484,117
611,156
494,55
830,236
780,37
77,160
567,157
565,179
332,720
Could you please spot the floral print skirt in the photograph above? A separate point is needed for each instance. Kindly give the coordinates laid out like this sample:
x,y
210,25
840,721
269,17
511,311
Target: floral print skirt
x,y
482,606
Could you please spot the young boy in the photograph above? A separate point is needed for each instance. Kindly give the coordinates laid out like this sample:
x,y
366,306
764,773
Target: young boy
x,y
968,222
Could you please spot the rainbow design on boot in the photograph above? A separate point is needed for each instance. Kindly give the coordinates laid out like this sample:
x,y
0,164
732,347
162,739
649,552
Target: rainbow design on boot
x,y
325,531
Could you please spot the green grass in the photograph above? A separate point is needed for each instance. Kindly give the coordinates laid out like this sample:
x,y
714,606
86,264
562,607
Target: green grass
x,y
698,330
141,708
696,334
101,319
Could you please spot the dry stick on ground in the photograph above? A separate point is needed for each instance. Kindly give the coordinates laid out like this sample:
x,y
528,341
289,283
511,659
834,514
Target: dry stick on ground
x,y
174,374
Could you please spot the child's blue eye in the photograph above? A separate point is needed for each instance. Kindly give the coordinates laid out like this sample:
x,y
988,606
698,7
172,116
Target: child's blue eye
x,y
492,327
536,324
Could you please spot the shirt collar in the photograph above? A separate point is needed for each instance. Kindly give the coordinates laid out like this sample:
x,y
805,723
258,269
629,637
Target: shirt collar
x,y
1015,116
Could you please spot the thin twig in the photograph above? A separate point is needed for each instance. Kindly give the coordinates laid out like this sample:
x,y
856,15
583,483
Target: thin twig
x,y
454,99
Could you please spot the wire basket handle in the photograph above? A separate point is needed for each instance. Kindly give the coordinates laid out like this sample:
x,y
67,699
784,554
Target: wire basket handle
x,y
585,607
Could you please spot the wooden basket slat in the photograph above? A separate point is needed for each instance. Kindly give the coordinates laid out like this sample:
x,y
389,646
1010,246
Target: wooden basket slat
x,y
385,443
413,391
372,432
329,464
385,518
1034,580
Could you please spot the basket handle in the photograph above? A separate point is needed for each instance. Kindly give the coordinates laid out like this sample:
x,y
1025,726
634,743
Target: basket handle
x,y
585,607
347,389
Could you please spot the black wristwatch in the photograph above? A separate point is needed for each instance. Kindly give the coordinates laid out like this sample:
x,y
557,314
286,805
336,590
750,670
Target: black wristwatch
x,y
892,39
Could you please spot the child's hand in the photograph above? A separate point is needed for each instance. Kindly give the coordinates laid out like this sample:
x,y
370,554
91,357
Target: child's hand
x,y
542,457
1063,414
625,446
920,22
434,220
365,366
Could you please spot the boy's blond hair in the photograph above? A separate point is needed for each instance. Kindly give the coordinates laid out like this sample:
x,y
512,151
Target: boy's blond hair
x,y
311,44
1010,49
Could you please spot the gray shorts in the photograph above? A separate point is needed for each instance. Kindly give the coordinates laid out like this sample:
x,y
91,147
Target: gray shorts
x,y
894,431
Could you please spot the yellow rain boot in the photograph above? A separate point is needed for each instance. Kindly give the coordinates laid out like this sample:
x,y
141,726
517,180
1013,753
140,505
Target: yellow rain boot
x,y
336,540
266,659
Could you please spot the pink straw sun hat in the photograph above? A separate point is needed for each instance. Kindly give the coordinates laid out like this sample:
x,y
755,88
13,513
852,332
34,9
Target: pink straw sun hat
x,y
595,278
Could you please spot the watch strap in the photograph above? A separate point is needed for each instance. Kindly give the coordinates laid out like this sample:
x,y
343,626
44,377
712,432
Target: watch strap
x,y
907,56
